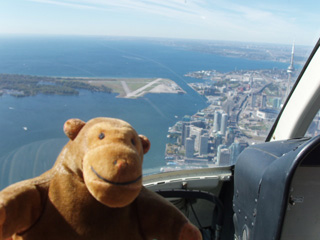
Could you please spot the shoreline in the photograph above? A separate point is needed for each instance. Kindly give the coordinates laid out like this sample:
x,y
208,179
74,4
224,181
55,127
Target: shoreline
x,y
28,85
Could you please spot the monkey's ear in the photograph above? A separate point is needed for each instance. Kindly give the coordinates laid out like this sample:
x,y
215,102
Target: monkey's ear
x,y
145,143
72,127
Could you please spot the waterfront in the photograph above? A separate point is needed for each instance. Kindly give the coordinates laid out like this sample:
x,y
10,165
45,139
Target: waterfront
x,y
31,127
242,108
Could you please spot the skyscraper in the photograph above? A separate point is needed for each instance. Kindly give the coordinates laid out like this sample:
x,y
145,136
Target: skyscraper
x,y
290,70
217,140
291,67
229,139
189,147
223,156
196,132
264,101
224,124
185,132
203,146
216,121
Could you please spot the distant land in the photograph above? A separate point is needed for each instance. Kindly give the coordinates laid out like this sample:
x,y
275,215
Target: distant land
x,y
245,50
26,85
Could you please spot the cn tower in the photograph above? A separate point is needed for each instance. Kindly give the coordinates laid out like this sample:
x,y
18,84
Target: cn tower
x,y
290,70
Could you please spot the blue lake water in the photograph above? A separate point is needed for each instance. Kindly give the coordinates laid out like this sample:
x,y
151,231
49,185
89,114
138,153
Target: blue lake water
x,y
27,153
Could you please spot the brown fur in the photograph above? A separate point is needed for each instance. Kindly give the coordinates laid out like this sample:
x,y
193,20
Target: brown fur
x,y
94,191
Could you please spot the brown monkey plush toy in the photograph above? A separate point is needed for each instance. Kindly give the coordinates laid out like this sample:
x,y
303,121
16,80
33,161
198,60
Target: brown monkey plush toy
x,y
93,191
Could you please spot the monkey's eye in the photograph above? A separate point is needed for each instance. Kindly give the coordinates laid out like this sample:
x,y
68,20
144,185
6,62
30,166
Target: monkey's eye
x,y
101,136
133,141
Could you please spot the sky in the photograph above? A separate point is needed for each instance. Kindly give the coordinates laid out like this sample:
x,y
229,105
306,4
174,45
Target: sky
x,y
267,21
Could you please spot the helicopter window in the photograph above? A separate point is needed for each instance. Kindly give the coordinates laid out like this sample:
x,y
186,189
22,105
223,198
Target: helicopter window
x,y
314,127
201,79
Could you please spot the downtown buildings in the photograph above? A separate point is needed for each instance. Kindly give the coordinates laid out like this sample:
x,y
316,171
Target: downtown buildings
x,y
208,137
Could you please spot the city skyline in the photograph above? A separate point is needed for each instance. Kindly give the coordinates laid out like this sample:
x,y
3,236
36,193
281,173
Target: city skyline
x,y
242,108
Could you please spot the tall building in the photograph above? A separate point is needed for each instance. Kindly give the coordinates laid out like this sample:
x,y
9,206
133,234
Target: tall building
x,y
216,121
224,123
189,147
197,132
264,101
229,139
291,67
223,156
217,140
203,146
290,71
185,132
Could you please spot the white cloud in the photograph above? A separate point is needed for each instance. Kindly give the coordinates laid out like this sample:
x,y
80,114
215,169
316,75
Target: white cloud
x,y
64,3
256,22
